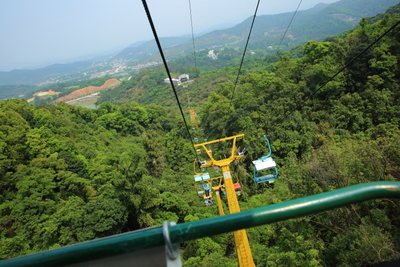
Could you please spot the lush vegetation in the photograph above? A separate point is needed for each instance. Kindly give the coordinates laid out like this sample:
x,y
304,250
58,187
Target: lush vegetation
x,y
12,91
71,174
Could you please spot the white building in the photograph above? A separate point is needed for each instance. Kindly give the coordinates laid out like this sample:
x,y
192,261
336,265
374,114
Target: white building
x,y
212,55
175,81
183,77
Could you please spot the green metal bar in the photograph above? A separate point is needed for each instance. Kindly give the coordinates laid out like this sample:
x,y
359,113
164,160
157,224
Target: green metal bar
x,y
134,241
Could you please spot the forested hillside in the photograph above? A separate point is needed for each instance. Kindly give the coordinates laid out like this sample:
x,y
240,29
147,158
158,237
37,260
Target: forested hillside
x,y
313,24
71,174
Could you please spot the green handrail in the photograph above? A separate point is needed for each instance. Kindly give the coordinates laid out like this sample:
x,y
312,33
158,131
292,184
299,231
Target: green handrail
x,y
134,241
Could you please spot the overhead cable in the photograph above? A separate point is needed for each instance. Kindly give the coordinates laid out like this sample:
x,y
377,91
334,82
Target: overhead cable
x,y
284,34
244,53
338,72
166,68
287,28
194,47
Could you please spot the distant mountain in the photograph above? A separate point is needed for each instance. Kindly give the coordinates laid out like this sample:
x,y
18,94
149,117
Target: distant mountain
x,y
146,49
137,43
148,87
139,50
38,75
313,24
338,17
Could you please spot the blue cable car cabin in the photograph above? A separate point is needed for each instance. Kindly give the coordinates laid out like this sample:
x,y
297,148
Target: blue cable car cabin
x,y
265,168
199,180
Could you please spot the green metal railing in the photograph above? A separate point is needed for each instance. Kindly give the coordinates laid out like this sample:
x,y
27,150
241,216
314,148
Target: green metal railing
x,y
139,240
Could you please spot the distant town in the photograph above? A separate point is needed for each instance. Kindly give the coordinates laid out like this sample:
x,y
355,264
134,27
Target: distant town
x,y
122,67
102,69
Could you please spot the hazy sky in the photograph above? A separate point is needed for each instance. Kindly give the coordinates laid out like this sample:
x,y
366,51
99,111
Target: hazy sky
x,y
38,32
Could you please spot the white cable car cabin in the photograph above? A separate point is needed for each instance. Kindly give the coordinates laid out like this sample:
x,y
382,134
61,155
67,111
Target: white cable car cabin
x,y
265,168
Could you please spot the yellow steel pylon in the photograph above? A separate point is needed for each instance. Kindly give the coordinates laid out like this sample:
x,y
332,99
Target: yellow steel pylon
x,y
245,258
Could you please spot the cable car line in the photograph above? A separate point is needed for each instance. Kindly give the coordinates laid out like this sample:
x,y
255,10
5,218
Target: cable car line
x,y
167,70
203,181
276,53
338,72
243,250
283,36
192,112
191,24
261,165
241,62
287,28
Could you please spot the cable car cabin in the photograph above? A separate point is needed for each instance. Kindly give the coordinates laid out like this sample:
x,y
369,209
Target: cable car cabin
x,y
199,181
265,170
237,188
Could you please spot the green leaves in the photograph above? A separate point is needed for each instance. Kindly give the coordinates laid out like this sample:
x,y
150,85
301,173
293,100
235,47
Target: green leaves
x,y
104,217
361,245
70,174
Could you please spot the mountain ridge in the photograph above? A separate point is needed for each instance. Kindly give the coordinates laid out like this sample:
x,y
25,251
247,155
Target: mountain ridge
x,y
313,24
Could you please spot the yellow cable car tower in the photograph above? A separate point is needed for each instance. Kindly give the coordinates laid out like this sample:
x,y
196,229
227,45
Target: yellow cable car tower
x,y
245,258
193,119
193,114
218,189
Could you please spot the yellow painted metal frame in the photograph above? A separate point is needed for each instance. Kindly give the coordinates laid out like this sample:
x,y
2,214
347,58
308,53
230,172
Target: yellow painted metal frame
x,y
222,162
193,114
193,119
219,201
211,179
245,258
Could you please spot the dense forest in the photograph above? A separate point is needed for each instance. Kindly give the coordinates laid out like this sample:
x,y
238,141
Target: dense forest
x,y
71,174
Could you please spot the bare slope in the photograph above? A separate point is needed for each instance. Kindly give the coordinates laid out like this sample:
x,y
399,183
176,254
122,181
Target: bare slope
x,y
89,90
